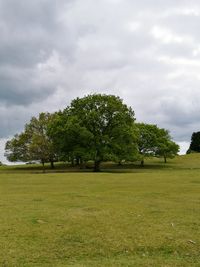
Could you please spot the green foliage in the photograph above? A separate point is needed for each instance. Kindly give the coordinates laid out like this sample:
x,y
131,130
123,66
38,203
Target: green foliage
x,y
69,137
34,143
96,127
41,146
109,124
167,149
155,141
195,143
147,142
16,149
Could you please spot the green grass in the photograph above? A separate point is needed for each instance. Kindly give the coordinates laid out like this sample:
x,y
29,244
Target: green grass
x,y
129,217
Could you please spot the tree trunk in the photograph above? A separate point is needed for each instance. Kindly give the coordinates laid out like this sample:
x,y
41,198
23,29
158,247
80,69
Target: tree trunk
x,y
165,159
142,162
120,163
97,166
52,164
43,167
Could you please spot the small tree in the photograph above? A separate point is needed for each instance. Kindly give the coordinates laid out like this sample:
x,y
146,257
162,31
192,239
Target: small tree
x,y
41,146
16,149
155,141
167,149
34,143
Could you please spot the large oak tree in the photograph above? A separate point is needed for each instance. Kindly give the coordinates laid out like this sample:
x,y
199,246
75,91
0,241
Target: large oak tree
x,y
100,127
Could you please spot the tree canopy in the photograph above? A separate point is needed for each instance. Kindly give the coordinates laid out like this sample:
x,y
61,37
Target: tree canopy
x,y
98,127
33,143
95,128
155,141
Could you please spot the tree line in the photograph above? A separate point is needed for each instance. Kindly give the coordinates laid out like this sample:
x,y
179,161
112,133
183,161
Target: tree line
x,y
95,128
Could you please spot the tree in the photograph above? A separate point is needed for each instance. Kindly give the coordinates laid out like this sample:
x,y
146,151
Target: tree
x,y
34,143
195,143
104,121
147,141
155,141
16,149
41,146
167,149
125,148
69,137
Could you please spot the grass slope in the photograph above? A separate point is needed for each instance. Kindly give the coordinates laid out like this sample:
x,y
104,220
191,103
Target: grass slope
x,y
142,217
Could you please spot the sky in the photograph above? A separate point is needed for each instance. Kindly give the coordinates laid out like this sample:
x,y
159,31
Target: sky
x,y
147,52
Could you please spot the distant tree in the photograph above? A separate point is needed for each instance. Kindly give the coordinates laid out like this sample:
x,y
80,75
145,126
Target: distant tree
x,y
41,146
108,125
195,143
167,149
16,149
34,143
155,141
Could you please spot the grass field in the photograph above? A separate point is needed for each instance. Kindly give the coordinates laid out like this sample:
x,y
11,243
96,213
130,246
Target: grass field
x,y
119,217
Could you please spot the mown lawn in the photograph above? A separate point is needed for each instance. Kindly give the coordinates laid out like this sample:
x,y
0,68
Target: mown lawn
x,y
142,218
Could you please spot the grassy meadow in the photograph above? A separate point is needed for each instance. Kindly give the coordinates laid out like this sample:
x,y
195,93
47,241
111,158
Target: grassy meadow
x,y
123,216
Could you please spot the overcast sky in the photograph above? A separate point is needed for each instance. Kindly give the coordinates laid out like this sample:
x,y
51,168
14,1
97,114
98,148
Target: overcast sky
x,y
147,52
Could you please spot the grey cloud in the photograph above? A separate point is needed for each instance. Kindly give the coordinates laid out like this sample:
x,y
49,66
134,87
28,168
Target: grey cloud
x,y
12,120
30,32
52,51
21,86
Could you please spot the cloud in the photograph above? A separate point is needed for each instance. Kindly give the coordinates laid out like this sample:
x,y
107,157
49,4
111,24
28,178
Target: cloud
x,y
147,52
30,33
2,145
183,147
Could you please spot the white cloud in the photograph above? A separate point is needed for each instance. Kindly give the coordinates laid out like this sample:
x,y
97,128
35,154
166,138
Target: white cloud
x,y
183,147
2,146
166,36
